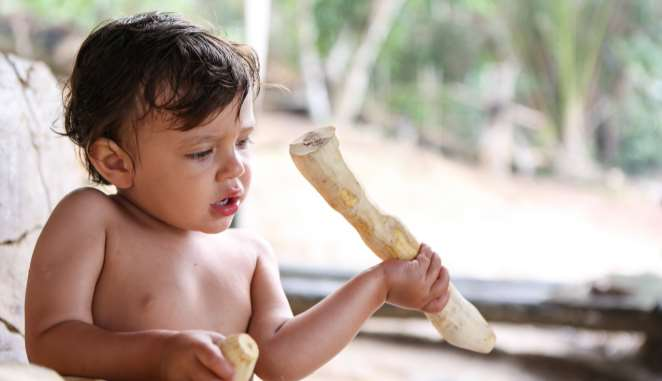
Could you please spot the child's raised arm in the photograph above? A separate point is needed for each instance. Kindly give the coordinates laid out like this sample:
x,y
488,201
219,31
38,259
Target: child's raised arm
x,y
293,347
60,333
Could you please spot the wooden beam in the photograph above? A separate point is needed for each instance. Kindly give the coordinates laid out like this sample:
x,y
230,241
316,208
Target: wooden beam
x,y
523,302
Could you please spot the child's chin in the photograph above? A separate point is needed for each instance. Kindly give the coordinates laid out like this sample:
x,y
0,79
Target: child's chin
x,y
217,228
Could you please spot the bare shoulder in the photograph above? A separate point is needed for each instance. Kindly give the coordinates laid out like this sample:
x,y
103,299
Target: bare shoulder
x,y
79,219
253,242
87,196
82,210
88,201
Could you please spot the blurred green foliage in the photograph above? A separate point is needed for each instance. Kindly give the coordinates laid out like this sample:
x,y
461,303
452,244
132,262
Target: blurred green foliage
x,y
332,16
640,112
596,52
86,14
604,54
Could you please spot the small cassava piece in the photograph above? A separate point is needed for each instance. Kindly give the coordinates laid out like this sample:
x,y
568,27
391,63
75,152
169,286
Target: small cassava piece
x,y
240,350
317,156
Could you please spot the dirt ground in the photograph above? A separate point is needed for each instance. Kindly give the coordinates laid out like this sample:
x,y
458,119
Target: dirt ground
x,y
524,353
482,226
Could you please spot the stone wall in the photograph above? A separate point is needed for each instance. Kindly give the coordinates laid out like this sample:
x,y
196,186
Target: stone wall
x,y
38,167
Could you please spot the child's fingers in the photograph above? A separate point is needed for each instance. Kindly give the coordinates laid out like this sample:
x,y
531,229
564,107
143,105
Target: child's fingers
x,y
216,338
437,305
433,269
440,285
424,256
212,358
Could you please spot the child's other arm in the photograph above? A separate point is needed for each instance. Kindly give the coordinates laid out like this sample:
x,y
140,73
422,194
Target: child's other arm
x,y
293,347
60,333
63,273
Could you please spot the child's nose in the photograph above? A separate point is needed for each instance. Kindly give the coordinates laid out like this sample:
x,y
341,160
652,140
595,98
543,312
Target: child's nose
x,y
231,167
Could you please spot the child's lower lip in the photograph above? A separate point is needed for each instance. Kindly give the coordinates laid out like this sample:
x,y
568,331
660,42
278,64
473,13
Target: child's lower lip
x,y
228,209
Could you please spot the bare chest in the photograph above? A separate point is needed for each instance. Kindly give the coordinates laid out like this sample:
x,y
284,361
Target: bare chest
x,y
166,284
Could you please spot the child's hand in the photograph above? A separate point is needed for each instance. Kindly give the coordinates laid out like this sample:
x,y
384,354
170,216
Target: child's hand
x,y
193,355
420,284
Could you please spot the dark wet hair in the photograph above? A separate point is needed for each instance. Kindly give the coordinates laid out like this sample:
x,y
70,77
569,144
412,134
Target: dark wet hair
x,y
132,66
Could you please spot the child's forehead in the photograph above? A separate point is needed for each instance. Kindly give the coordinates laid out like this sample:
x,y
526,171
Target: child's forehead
x,y
230,119
230,115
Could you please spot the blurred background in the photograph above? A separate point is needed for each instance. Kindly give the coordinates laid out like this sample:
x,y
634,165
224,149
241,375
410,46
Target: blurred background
x,y
521,139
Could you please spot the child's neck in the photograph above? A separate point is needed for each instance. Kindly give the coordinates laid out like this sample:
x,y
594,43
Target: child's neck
x,y
139,214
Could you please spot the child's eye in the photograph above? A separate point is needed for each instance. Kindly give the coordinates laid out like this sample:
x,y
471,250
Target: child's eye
x,y
243,143
200,155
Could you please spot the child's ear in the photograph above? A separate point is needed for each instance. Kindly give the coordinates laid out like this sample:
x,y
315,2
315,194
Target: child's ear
x,y
112,162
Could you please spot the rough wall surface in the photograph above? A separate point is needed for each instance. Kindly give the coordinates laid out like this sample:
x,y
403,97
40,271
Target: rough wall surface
x,y
38,168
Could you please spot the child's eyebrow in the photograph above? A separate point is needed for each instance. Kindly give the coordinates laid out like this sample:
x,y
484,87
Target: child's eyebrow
x,y
193,140
198,139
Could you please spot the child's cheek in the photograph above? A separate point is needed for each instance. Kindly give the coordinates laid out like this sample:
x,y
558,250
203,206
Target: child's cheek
x,y
198,167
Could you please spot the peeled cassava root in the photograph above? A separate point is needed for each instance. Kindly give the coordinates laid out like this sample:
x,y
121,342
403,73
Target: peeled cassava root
x,y
317,156
241,350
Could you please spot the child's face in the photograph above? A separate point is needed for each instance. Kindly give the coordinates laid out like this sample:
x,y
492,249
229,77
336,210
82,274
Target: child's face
x,y
195,179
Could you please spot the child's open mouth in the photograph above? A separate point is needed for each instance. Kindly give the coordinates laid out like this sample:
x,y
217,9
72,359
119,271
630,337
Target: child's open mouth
x,y
227,206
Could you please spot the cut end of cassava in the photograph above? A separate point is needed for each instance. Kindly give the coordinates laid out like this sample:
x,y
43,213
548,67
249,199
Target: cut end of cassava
x,y
483,343
490,343
242,352
241,347
474,334
312,141
461,324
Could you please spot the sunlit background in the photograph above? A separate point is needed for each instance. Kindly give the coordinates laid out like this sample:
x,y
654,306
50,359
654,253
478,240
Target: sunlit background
x,y
521,139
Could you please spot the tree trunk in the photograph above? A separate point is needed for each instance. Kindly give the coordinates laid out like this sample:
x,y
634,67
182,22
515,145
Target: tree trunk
x,y
20,27
257,14
317,95
353,92
336,63
496,146
574,159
